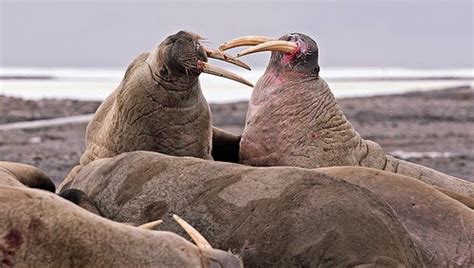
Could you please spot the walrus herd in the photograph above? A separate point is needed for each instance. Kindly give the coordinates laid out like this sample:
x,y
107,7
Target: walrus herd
x,y
302,188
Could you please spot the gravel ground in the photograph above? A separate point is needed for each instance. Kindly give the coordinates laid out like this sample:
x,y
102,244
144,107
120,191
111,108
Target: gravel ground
x,y
421,122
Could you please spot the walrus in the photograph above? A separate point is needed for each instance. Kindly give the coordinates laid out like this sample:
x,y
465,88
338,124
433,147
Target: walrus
x,y
272,217
293,119
159,106
18,173
441,226
38,228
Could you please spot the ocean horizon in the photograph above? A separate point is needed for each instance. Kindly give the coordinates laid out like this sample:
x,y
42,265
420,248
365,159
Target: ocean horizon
x,y
97,83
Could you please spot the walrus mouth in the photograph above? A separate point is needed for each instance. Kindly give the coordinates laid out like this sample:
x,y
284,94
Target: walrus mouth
x,y
214,70
260,44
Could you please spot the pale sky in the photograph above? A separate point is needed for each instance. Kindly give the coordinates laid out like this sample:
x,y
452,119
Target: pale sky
x,y
371,33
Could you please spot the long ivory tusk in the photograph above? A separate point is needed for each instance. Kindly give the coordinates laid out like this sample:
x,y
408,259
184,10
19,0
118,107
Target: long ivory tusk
x,y
214,70
150,225
244,41
200,241
279,45
217,54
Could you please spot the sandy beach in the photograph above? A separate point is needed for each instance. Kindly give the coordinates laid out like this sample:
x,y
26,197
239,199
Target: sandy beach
x,y
433,128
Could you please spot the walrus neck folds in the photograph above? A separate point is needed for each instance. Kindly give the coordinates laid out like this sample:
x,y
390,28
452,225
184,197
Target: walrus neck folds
x,y
143,115
281,104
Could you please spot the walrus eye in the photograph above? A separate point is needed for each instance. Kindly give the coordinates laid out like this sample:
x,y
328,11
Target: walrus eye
x,y
164,72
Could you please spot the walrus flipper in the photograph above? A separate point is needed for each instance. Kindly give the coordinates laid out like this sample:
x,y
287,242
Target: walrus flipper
x,y
225,146
27,175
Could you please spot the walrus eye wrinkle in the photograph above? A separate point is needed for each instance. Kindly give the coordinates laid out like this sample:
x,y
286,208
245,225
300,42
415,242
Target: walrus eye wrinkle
x,y
164,72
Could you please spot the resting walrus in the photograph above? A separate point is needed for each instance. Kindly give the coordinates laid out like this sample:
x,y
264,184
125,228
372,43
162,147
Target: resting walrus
x,y
439,225
293,119
279,216
40,229
159,106
30,176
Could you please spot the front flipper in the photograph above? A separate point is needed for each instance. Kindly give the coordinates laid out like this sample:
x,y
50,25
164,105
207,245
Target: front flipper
x,y
225,146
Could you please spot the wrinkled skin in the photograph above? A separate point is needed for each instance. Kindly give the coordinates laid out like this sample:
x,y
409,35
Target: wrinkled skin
x,y
279,217
39,229
157,107
441,226
294,120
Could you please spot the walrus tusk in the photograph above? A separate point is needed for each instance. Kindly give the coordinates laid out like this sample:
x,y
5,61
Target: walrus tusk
x,y
214,70
200,241
217,54
244,41
279,45
150,225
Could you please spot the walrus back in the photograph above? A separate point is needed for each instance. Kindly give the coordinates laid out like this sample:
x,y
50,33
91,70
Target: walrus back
x,y
98,126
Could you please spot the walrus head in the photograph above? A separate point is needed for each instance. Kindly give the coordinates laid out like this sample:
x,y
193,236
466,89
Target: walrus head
x,y
179,60
292,52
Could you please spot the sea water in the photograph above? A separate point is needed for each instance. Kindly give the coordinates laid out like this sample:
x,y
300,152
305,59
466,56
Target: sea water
x,y
98,83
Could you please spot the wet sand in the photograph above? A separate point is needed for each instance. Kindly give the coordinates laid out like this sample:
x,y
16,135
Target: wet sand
x,y
433,128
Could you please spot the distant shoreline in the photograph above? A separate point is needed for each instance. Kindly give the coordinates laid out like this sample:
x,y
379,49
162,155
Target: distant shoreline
x,y
334,79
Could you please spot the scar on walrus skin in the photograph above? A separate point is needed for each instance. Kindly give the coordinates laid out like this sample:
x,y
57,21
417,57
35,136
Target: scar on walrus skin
x,y
294,120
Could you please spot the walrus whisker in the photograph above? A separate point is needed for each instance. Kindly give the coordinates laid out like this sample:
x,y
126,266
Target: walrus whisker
x,y
200,241
245,41
278,45
150,225
214,70
219,55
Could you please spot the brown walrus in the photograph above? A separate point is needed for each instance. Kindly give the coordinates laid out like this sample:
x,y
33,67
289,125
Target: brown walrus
x,y
38,228
442,227
17,173
293,119
159,106
272,217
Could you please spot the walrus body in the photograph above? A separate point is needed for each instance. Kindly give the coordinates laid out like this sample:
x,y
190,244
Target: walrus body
x,y
439,225
159,106
38,228
270,216
294,120
141,115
